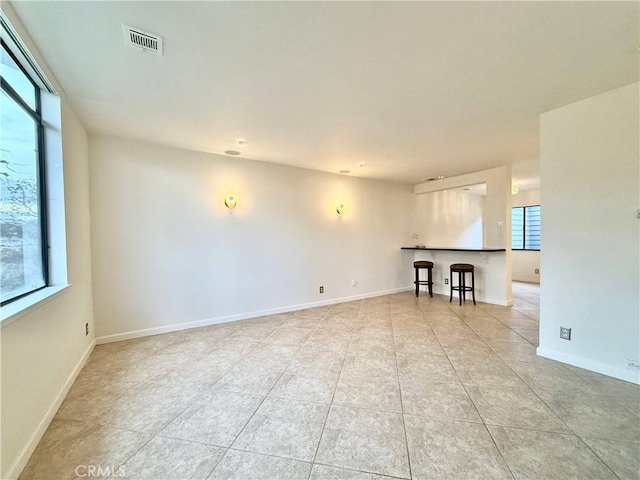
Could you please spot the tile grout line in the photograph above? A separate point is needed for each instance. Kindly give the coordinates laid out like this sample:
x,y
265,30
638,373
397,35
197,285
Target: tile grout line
x,y
571,431
335,388
458,315
368,472
402,414
540,398
154,435
504,460
575,434
598,456
212,388
262,342
275,382
224,454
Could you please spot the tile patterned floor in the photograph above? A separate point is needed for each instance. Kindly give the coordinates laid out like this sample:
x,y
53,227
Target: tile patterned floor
x,y
388,387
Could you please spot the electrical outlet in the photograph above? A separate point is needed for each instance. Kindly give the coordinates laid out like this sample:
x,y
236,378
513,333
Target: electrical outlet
x,y
446,281
565,333
321,288
633,365
86,329
537,271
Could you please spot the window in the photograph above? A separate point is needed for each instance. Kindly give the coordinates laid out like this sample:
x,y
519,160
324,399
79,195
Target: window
x,y
33,248
23,216
525,228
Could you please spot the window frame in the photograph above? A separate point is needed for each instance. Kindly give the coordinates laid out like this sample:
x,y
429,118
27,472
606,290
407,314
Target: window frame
x,y
43,214
52,113
524,229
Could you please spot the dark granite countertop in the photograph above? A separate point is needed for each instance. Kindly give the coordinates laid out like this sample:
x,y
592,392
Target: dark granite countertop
x,y
446,249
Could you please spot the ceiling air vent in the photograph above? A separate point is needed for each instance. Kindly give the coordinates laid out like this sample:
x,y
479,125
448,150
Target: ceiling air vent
x,y
146,41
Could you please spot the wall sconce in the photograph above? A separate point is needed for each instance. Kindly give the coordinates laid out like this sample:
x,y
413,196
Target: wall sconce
x,y
230,200
340,208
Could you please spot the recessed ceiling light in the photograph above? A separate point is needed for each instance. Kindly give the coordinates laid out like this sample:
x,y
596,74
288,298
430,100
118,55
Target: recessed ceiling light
x,y
344,171
440,177
362,165
231,152
241,142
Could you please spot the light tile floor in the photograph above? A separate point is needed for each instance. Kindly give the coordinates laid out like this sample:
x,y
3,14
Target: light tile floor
x,y
389,387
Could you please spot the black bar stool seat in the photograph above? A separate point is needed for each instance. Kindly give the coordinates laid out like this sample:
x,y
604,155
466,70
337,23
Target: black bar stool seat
x,y
418,265
462,269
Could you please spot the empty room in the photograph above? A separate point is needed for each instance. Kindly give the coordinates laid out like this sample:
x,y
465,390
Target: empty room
x,y
320,240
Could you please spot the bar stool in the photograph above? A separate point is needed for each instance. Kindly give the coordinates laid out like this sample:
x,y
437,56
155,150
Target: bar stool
x,y
462,269
429,282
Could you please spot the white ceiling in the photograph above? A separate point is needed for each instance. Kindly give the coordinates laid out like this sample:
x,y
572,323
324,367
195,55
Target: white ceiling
x,y
477,189
415,90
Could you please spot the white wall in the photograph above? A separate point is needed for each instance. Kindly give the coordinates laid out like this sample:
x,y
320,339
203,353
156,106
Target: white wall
x,y
450,218
497,201
42,351
454,218
526,197
525,262
589,163
495,286
167,252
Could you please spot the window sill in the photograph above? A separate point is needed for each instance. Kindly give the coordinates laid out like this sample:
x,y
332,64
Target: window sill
x,y
12,312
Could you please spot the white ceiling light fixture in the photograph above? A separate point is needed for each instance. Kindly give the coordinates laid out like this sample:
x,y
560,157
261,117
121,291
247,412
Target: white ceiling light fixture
x,y
241,142
145,41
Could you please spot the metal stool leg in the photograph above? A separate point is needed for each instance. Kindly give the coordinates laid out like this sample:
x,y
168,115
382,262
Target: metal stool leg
x,y
417,281
430,278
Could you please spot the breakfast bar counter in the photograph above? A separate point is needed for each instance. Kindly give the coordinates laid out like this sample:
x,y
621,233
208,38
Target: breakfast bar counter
x,y
448,249
493,279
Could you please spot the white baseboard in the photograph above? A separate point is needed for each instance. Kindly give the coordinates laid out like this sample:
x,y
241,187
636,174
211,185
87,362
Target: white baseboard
x,y
597,367
479,298
18,465
176,327
532,279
